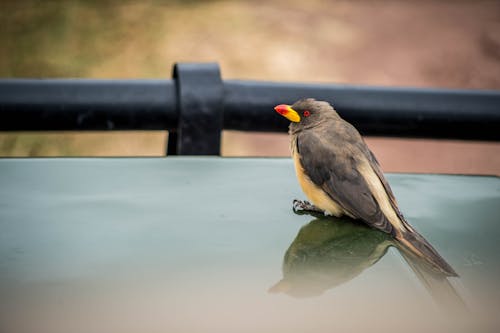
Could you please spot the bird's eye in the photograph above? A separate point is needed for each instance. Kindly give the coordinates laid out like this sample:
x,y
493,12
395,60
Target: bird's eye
x,y
307,113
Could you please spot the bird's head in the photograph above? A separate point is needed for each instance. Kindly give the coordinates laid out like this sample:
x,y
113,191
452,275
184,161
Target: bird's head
x,y
306,112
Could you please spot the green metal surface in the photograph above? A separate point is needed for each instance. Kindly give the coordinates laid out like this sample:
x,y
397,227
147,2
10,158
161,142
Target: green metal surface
x,y
211,244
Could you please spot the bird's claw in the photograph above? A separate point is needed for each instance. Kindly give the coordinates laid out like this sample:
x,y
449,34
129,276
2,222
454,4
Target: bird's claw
x,y
304,207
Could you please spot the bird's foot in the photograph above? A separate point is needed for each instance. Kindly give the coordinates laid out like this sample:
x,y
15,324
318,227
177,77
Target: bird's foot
x,y
305,207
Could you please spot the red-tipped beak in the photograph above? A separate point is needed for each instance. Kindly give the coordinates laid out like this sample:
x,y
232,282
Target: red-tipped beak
x,y
287,112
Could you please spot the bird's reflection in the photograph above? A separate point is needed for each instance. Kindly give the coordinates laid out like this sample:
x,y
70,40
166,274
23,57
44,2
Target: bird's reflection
x,y
330,251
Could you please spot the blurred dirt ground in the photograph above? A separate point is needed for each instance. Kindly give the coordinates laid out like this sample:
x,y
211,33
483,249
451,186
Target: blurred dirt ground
x,y
438,43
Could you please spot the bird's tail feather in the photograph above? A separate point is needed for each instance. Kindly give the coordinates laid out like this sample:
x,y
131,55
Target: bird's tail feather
x,y
419,246
436,283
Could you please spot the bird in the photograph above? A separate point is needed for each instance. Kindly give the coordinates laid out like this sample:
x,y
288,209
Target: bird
x,y
341,176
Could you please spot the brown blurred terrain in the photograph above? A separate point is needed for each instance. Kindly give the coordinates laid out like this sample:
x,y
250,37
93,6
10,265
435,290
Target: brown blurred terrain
x,y
430,43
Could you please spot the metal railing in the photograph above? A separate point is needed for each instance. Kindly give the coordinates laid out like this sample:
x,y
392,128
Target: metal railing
x,y
196,105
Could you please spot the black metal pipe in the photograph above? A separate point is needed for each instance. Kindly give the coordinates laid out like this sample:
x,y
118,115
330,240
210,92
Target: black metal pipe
x,y
402,112
82,104
76,104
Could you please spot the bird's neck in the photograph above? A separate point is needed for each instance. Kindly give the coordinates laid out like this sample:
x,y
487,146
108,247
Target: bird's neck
x,y
296,128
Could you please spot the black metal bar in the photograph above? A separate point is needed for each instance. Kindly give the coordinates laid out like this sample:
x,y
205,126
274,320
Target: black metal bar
x,y
192,104
81,104
402,112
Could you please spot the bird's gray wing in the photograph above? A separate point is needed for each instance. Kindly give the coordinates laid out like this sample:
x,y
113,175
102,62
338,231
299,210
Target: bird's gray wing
x,y
331,164
378,171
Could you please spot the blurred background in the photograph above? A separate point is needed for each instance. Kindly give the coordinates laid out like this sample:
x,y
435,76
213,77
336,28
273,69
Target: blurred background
x,y
428,43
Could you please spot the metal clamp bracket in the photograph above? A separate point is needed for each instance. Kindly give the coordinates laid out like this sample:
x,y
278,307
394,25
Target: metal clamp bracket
x,y
200,95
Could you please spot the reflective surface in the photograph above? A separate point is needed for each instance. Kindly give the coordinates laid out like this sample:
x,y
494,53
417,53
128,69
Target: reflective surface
x,y
331,251
328,252
201,244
